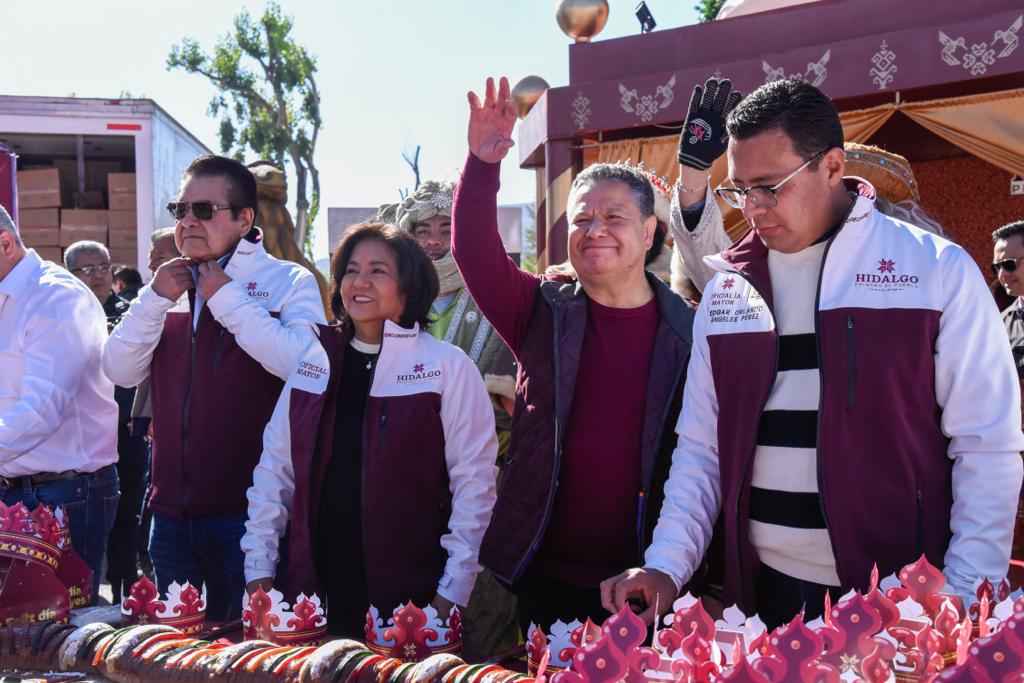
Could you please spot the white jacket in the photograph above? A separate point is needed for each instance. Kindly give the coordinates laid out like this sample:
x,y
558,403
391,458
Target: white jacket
x,y
919,303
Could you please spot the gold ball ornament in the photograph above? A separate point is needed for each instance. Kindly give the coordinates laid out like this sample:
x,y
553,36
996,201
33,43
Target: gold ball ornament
x,y
526,93
581,20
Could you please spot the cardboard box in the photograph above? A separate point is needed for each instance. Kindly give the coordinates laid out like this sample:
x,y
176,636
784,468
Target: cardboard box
x,y
121,183
38,218
53,254
122,240
39,189
82,224
122,201
40,237
124,257
123,221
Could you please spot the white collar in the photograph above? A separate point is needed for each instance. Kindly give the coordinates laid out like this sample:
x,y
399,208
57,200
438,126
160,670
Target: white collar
x,y
402,336
363,347
247,253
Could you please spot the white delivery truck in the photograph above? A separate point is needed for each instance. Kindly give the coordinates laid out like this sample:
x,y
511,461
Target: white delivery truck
x,y
89,139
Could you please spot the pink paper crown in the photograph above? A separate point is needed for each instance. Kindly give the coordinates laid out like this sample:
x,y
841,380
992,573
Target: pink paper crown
x,y
184,607
561,643
266,616
413,634
35,537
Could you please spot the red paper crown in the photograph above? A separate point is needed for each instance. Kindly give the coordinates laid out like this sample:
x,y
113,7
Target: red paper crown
x,y
184,608
31,536
30,554
266,616
413,634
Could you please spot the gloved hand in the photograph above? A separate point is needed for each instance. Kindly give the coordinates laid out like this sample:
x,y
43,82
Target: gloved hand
x,y
704,138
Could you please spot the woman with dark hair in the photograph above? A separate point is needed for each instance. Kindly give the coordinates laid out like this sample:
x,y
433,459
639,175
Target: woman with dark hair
x,y
378,464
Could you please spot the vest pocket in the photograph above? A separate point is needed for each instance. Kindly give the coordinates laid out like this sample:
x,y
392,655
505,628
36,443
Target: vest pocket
x,y
851,375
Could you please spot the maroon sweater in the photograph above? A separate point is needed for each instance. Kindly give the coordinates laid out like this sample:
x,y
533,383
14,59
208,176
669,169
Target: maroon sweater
x,y
592,532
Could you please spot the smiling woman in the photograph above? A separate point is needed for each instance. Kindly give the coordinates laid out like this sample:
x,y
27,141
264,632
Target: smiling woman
x,y
379,273
395,474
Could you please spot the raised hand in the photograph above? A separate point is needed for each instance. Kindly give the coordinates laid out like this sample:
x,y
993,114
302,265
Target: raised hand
x,y
491,122
704,138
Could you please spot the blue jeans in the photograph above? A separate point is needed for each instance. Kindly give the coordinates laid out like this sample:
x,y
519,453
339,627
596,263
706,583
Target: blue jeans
x,y
91,504
202,550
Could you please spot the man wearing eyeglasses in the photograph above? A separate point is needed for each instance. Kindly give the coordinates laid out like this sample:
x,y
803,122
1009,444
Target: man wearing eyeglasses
x,y
838,408
217,331
58,419
90,262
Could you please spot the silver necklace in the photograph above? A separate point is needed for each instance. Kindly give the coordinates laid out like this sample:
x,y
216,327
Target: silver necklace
x,y
369,358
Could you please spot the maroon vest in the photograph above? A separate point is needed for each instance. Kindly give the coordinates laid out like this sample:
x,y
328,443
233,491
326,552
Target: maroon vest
x,y
884,476
548,363
211,401
406,502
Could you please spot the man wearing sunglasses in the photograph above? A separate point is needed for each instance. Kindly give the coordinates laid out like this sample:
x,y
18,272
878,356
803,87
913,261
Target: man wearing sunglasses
x,y
217,330
1008,253
838,407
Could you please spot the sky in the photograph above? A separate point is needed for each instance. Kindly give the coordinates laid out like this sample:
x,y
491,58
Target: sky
x,y
392,73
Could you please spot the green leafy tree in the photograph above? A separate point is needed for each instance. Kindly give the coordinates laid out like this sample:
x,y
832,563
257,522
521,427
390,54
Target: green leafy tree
x,y
267,100
707,10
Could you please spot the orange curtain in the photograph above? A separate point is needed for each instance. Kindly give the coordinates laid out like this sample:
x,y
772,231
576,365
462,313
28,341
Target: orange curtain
x,y
860,124
989,126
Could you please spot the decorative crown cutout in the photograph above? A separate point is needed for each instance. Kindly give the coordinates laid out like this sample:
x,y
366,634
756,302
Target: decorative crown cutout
x,y
184,608
266,616
413,634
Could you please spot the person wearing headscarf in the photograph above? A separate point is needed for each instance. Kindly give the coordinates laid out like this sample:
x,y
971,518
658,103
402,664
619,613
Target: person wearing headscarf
x,y
426,213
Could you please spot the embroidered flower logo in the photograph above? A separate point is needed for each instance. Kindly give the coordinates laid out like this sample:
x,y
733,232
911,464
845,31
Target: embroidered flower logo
x,y
728,283
417,368
886,266
699,131
251,286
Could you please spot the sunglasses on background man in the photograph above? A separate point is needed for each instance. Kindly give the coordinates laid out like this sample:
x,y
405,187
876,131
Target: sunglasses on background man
x,y
201,210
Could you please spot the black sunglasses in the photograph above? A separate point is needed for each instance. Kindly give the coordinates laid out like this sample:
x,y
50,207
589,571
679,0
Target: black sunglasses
x,y
1009,265
201,210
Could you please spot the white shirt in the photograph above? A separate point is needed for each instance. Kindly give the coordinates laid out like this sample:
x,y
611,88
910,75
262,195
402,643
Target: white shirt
x,y
57,409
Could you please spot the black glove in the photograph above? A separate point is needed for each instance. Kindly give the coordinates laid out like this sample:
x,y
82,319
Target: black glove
x,y
704,138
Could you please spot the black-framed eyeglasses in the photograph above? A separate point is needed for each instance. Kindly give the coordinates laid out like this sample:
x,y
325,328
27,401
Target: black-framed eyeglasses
x,y
764,196
201,210
92,270
1009,265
